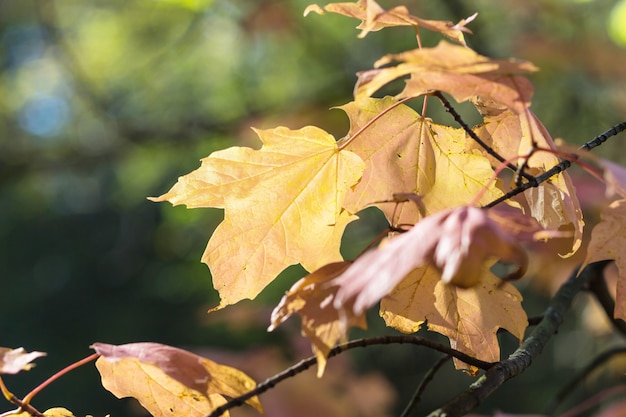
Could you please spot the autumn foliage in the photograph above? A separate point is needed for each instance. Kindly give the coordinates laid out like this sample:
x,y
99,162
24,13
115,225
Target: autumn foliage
x,y
462,203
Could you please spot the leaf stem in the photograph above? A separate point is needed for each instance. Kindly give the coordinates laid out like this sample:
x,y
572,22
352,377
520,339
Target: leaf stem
x,y
57,375
20,404
305,364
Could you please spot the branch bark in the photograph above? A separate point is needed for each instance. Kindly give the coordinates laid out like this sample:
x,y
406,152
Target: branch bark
x,y
521,359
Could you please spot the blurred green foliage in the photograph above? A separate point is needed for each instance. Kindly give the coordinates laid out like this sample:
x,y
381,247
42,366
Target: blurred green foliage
x,y
103,103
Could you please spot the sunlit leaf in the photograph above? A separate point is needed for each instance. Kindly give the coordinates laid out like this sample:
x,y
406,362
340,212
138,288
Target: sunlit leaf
x,y
13,361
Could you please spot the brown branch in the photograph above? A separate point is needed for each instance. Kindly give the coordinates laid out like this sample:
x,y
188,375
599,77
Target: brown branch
x,y
521,359
305,364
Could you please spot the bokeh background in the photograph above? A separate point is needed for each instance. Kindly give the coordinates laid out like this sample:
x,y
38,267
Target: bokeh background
x,y
103,103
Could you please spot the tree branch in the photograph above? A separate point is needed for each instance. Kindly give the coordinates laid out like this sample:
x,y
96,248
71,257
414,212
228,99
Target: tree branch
x,y
521,359
305,364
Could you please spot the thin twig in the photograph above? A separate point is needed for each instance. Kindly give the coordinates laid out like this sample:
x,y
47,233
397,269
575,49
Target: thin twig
x,y
305,364
457,117
521,359
581,376
423,384
561,166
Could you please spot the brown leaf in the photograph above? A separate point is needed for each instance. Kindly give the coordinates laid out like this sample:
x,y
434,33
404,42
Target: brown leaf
x,y
454,69
169,381
13,361
312,298
373,18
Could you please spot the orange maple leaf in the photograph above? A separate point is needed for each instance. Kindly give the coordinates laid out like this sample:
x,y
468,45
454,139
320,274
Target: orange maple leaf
x,y
407,153
553,203
375,18
454,69
608,240
170,381
283,206
469,317
312,298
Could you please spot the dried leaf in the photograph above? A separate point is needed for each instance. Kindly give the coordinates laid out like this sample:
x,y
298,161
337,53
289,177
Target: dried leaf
x,y
375,18
312,298
456,70
406,153
169,381
13,361
283,206
608,240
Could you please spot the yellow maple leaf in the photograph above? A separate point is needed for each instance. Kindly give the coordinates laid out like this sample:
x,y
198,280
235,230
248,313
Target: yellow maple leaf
x,y
469,317
407,153
608,240
312,299
454,69
283,206
169,381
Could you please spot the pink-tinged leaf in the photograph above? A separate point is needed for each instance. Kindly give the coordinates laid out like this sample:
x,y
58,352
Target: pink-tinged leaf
x,y
170,381
457,242
614,177
405,153
13,361
454,69
608,240
312,298
373,18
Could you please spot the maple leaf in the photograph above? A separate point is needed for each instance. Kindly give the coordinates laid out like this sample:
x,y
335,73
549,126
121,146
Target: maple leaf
x,y
469,317
312,298
456,242
553,203
614,177
283,206
169,381
13,361
608,240
407,153
375,18
454,69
